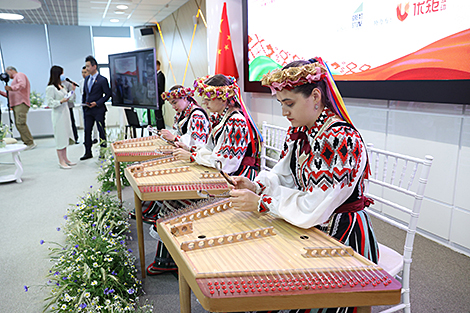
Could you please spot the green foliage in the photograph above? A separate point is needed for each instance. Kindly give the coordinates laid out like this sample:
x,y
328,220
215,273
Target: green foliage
x,y
4,131
107,174
94,271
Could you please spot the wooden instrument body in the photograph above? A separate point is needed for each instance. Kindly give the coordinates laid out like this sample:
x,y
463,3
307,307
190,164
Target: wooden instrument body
x,y
141,149
169,179
259,270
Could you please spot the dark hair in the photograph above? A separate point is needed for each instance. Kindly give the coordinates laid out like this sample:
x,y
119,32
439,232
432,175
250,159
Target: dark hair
x,y
176,87
190,99
222,80
218,80
92,60
158,63
306,89
54,78
84,68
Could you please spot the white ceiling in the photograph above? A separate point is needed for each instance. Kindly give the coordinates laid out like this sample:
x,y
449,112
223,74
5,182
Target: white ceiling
x,y
90,12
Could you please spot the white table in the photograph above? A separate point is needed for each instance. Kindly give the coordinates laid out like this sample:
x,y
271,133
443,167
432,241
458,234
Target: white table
x,y
14,149
39,122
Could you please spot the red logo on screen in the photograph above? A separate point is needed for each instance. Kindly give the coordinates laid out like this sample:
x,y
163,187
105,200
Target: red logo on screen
x,y
403,16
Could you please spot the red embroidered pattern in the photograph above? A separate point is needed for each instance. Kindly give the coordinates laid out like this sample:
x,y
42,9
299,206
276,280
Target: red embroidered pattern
x,y
261,186
262,205
183,115
199,128
235,141
335,159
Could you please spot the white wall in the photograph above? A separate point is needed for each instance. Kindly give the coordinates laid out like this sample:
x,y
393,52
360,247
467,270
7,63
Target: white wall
x,y
69,47
33,49
183,59
26,48
417,129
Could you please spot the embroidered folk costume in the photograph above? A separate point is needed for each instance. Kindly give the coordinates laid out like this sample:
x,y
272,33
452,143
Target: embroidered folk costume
x,y
234,138
319,180
191,126
232,141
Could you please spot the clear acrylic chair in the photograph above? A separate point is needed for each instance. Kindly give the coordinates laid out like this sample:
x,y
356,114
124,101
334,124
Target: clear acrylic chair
x,y
398,195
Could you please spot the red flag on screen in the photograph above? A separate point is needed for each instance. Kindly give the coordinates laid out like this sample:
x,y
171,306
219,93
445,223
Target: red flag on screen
x,y
225,61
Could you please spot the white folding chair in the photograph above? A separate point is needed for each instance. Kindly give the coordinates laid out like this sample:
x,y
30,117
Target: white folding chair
x,y
274,137
398,197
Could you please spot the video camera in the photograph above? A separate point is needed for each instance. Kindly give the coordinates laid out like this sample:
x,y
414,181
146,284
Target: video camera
x,y
4,77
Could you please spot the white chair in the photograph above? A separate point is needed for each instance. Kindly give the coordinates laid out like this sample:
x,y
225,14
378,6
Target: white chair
x,y
274,137
398,196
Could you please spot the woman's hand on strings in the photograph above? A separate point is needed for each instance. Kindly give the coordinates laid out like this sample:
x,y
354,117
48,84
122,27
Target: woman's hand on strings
x,y
244,200
166,134
182,155
243,183
181,145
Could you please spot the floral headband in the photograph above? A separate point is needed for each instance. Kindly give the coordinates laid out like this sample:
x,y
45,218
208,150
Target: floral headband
x,y
314,71
214,92
177,93
291,77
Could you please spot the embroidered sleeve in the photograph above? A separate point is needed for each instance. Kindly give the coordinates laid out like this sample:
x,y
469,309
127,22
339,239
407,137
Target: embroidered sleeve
x,y
327,177
230,147
177,138
199,129
259,187
265,203
285,147
234,143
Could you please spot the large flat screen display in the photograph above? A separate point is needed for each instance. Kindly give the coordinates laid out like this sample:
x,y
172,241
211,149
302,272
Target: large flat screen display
x,y
388,49
133,79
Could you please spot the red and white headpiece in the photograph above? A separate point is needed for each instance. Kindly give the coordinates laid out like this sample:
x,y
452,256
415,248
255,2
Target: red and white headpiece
x,y
315,71
214,92
178,93
291,77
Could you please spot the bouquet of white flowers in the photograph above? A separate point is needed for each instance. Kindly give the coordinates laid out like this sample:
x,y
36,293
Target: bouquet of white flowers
x,y
36,99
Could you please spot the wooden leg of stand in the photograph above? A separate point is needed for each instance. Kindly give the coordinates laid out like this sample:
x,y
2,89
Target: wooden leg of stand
x,y
364,309
185,294
117,171
140,233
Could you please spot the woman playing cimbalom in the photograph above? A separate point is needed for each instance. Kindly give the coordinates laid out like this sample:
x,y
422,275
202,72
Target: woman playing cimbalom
x,y
56,98
233,140
191,127
319,180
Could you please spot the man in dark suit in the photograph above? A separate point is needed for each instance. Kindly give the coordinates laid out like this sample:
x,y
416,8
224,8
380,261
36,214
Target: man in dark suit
x,y
161,89
96,92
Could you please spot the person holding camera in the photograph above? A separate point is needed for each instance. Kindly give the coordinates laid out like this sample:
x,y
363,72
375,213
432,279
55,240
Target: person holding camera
x,y
18,98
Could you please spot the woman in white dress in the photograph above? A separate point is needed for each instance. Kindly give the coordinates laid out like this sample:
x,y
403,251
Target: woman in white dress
x,y
56,99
